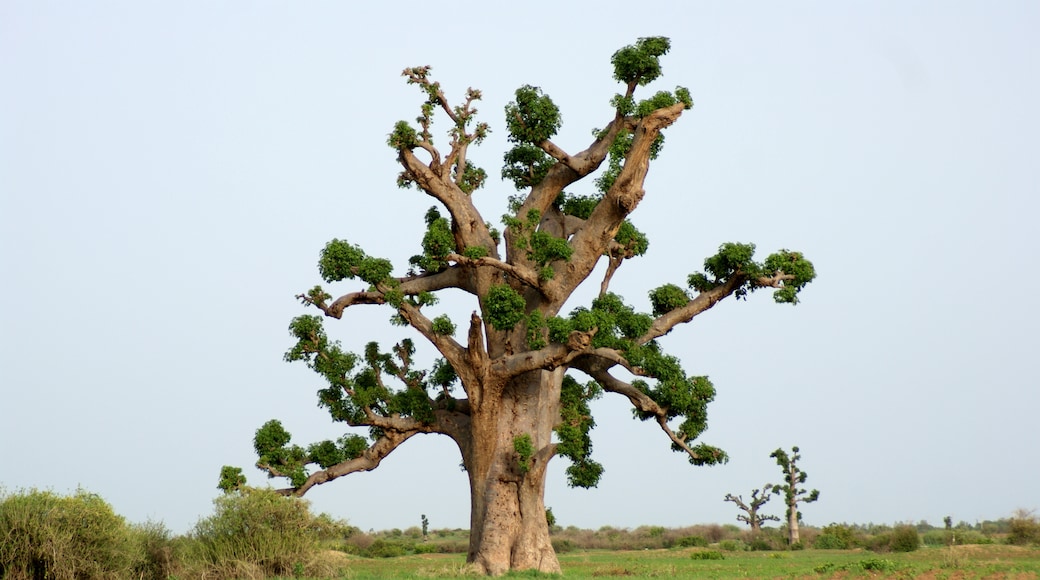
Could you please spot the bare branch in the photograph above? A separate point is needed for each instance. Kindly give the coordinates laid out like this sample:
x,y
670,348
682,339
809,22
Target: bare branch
x,y
410,286
550,357
523,274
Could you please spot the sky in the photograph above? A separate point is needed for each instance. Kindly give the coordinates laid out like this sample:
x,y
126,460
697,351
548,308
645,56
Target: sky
x,y
170,171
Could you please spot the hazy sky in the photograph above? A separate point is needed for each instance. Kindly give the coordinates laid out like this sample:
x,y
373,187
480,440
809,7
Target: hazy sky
x,y
169,172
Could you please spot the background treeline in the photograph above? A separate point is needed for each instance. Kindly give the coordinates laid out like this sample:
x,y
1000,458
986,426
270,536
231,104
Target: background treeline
x,y
255,533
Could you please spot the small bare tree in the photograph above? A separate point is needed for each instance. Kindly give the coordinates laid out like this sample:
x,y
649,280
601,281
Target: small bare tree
x,y
751,516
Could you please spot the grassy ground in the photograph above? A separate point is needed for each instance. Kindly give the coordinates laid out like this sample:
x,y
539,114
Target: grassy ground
x,y
958,563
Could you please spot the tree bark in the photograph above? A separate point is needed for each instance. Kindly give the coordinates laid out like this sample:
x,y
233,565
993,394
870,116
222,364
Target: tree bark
x,y
792,525
508,529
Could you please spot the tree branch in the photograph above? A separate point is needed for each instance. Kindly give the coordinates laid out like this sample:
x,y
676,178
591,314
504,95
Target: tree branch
x,y
523,274
597,368
550,357
621,199
666,322
369,460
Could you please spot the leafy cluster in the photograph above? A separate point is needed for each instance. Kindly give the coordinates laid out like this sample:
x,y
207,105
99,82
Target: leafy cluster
x,y
618,326
667,298
524,448
342,260
503,307
640,63
532,117
735,260
573,432
437,243
541,247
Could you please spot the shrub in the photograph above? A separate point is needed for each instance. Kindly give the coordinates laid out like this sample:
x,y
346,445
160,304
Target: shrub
x,y
381,548
733,545
254,530
829,542
46,535
879,564
905,539
707,555
691,542
760,544
1023,529
900,539
562,546
835,537
154,559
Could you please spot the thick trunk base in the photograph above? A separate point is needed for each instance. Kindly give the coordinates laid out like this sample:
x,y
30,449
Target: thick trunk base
x,y
508,528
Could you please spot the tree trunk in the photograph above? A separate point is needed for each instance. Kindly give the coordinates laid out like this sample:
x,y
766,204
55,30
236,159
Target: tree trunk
x,y
508,529
792,526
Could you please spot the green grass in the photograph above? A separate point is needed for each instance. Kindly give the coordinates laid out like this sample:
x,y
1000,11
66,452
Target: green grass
x,y
960,563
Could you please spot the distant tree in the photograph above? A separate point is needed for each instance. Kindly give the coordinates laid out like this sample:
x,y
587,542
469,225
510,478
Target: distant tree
x,y
792,490
751,516
425,528
503,388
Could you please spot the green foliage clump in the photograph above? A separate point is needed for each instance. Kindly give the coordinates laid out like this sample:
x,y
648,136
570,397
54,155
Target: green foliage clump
x,y
532,117
692,542
526,165
736,260
733,546
667,298
46,535
836,537
504,307
231,478
707,555
443,325
1023,529
524,448
437,243
342,260
573,432
900,539
640,63
255,528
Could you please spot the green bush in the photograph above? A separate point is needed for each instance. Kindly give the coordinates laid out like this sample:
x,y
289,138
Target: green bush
x,y
707,555
829,542
836,537
905,539
46,535
562,546
760,544
936,538
879,564
254,532
900,539
691,542
385,549
1024,529
155,556
733,546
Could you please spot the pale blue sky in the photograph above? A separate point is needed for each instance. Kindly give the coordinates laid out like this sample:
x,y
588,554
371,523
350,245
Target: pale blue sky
x,y
169,172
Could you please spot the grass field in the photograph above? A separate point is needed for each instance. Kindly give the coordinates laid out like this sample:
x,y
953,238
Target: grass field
x,y
960,562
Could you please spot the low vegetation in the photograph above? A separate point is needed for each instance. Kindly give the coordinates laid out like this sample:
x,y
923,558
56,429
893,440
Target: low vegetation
x,y
258,534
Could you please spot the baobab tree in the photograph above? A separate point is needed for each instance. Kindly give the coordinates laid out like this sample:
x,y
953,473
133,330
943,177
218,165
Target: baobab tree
x,y
792,490
504,387
751,516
